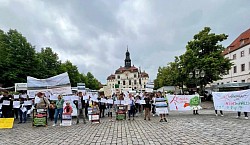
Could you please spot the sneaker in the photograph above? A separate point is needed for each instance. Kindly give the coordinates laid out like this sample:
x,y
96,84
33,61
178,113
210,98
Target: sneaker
x,y
165,120
19,122
238,117
161,120
153,115
246,118
216,114
149,119
54,125
221,115
60,124
144,118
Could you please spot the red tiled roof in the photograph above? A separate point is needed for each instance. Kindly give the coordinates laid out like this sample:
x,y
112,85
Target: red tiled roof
x,y
144,75
123,69
111,77
241,41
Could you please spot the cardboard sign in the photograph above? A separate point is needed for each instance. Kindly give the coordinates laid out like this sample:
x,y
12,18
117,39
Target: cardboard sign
x,y
6,123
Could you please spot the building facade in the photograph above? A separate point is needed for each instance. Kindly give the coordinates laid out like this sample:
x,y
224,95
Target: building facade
x,y
239,54
128,77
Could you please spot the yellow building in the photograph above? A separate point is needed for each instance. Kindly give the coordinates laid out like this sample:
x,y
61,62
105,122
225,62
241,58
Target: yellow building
x,y
128,77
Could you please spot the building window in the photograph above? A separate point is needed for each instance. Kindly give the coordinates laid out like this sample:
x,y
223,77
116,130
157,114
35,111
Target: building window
x,y
129,82
118,76
124,83
242,67
222,83
242,53
118,82
140,81
135,88
235,81
135,82
135,76
234,56
235,69
243,81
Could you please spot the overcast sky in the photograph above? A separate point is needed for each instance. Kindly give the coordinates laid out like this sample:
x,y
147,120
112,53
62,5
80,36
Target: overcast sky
x,y
94,34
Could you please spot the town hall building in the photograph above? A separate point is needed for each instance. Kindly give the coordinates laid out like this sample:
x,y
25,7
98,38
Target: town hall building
x,y
128,77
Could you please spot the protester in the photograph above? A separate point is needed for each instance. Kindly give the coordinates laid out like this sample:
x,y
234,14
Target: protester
x,y
131,107
162,115
52,110
68,109
110,106
7,108
58,110
102,107
80,105
147,106
239,114
95,108
137,104
221,113
16,110
43,102
153,105
22,111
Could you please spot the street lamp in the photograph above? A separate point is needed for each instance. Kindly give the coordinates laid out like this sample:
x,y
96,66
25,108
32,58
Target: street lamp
x,y
197,73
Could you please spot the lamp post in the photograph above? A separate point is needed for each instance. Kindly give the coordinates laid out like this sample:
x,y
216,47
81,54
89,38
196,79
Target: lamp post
x,y
197,74
180,78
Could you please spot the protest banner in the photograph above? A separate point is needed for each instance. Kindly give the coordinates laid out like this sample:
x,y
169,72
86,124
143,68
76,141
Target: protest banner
x,y
59,84
107,91
39,117
232,101
183,102
6,123
66,119
161,106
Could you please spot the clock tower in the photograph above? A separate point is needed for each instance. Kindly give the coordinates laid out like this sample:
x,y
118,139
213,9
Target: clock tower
x,y
127,60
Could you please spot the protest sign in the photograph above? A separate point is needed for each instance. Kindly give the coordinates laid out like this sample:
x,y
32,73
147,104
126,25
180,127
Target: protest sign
x,y
66,120
16,104
26,103
103,100
6,102
6,123
183,102
232,101
16,96
59,84
107,91
110,101
53,97
161,106
142,102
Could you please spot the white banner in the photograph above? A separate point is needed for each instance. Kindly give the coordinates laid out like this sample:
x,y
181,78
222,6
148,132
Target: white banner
x,y
59,84
183,102
232,101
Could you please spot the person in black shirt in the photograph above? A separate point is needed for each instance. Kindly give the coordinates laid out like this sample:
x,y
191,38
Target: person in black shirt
x,y
7,109
147,106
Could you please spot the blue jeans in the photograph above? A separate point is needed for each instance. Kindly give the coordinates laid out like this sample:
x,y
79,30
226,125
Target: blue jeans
x,y
57,111
23,116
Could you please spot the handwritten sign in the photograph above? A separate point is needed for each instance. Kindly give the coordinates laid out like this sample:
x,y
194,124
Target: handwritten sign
x,y
232,101
16,104
6,102
6,122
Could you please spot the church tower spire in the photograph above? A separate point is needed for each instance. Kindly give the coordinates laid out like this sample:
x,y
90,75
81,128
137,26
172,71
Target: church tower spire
x,y
127,59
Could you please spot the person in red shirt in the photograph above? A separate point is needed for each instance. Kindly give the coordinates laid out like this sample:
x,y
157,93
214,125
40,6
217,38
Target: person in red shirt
x,y
67,109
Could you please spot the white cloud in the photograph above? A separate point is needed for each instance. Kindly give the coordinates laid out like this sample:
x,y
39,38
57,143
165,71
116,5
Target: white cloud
x,y
94,34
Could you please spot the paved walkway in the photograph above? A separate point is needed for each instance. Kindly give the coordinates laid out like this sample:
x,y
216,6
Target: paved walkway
x,y
181,128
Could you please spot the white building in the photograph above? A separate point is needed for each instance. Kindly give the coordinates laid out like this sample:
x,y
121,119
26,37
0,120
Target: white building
x,y
239,53
128,77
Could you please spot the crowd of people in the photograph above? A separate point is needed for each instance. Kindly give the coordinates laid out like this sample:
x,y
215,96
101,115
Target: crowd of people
x,y
56,108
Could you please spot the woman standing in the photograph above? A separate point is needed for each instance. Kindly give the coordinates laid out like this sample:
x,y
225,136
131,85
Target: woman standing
x,y
58,110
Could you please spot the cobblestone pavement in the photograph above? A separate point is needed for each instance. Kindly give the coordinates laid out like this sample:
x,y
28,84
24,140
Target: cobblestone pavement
x,y
181,128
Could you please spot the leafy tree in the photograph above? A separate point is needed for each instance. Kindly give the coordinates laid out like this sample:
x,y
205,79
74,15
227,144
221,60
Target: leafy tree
x,y
49,64
205,53
17,58
92,82
73,72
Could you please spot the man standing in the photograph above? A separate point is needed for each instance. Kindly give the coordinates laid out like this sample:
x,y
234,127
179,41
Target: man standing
x,y
80,107
7,105
160,105
147,106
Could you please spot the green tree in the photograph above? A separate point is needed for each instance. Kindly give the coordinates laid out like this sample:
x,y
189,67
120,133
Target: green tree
x,y
49,64
204,53
73,72
18,59
92,82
